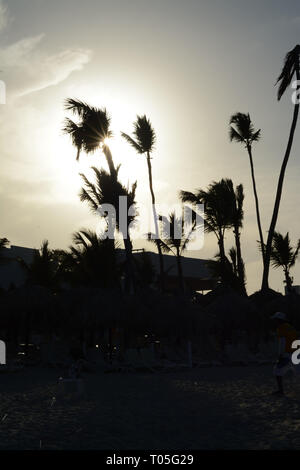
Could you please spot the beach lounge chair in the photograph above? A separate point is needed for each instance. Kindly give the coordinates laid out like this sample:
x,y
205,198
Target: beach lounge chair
x,y
96,359
268,351
174,359
139,359
132,360
234,355
148,358
55,354
69,385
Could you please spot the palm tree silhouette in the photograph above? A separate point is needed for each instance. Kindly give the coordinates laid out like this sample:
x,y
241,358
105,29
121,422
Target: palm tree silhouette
x,y
242,131
43,269
92,130
223,210
233,257
143,142
218,209
237,223
107,190
290,69
175,239
3,244
284,256
225,270
90,261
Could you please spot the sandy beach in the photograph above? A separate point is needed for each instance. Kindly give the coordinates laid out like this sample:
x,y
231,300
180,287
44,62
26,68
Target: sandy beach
x,y
202,408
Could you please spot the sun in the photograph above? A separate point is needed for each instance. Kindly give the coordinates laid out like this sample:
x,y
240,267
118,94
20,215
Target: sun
x,y
107,141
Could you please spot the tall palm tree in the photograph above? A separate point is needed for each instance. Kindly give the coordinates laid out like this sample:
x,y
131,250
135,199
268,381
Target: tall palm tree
x,y
143,142
92,130
233,257
242,131
291,68
237,224
284,256
107,190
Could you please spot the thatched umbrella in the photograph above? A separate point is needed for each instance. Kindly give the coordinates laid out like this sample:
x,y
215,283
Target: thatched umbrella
x,y
289,304
261,301
218,292
261,298
29,307
233,313
88,312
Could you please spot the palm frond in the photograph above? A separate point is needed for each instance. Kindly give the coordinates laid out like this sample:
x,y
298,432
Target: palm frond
x,y
242,130
187,196
234,135
151,237
77,107
132,142
290,66
295,255
144,135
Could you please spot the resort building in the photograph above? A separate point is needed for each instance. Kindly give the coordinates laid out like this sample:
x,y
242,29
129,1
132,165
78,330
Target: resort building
x,y
196,275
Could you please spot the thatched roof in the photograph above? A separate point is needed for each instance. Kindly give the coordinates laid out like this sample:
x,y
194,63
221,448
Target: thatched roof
x,y
261,298
29,299
232,310
289,304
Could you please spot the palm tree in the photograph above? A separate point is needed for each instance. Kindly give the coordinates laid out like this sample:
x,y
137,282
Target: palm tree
x,y
233,257
290,69
223,210
284,256
218,209
225,270
107,190
175,239
92,130
90,261
143,142
3,244
242,131
42,271
237,224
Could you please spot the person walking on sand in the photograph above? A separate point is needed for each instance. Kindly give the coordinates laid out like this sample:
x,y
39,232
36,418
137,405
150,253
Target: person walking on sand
x,y
286,336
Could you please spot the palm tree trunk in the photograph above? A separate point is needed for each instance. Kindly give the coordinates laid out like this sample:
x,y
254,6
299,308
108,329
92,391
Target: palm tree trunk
x,y
108,156
240,263
265,279
130,284
256,203
221,247
288,280
161,258
180,274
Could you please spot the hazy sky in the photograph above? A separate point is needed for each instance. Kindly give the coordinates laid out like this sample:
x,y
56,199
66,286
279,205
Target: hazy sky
x,y
188,65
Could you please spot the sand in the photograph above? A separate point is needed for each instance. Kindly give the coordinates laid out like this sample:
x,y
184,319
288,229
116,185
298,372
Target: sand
x,y
202,408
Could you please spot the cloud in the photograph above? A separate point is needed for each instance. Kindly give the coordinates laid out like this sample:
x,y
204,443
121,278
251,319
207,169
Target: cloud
x,y
51,70
27,68
4,16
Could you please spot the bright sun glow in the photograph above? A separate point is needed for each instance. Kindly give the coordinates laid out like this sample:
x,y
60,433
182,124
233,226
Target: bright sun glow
x,y
107,141
68,180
